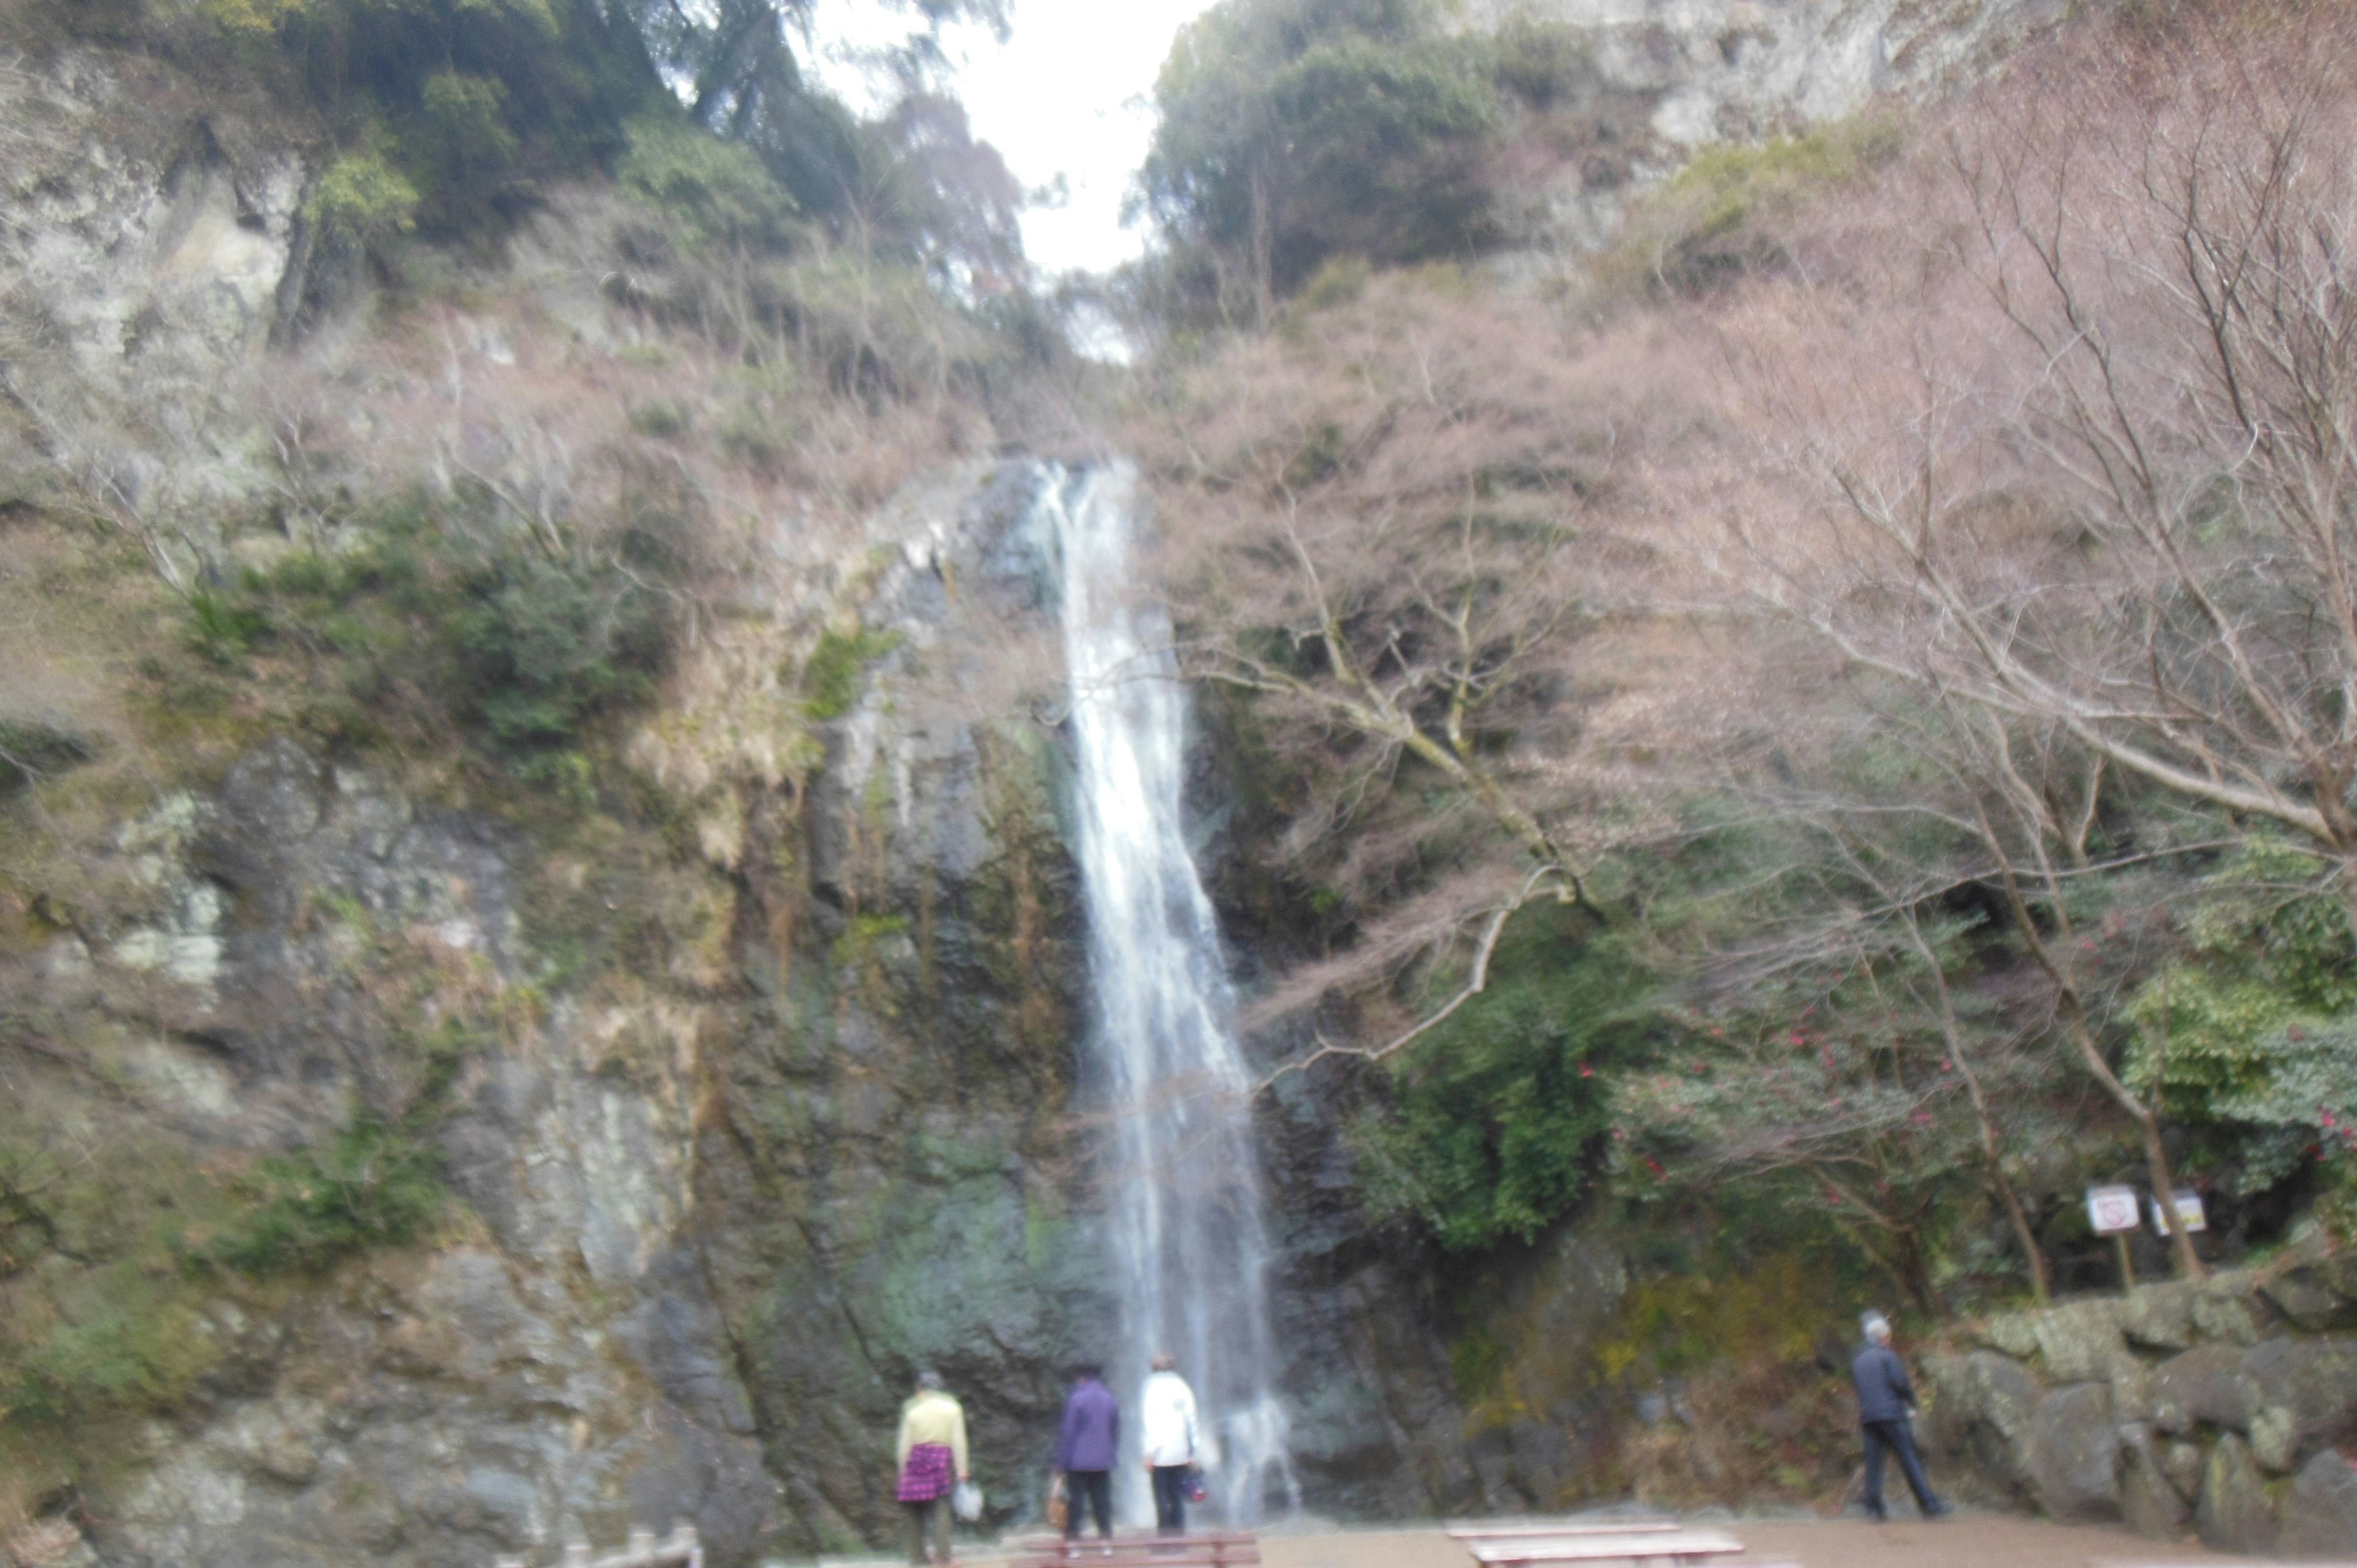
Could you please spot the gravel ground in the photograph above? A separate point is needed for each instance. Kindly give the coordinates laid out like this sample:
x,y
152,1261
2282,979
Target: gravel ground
x,y
1966,1540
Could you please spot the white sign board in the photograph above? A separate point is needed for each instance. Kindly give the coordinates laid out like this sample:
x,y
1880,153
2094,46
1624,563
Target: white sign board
x,y
2188,1214
2112,1210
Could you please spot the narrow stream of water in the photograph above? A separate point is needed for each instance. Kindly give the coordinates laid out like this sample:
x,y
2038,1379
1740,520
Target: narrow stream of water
x,y
1191,1250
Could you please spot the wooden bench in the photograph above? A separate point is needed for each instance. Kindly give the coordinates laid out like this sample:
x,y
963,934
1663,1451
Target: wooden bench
x,y
1197,1548
1470,1533
1642,1548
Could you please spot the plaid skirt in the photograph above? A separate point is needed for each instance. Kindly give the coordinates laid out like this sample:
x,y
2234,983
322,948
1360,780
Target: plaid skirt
x,y
928,1473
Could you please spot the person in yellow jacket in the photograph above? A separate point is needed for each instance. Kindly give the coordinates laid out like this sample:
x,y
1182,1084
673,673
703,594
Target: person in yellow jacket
x,y
932,1462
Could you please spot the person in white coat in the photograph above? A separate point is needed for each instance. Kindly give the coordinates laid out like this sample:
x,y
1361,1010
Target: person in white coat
x,y
1167,1410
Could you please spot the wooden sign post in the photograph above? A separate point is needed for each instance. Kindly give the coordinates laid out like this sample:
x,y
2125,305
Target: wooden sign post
x,y
2114,1211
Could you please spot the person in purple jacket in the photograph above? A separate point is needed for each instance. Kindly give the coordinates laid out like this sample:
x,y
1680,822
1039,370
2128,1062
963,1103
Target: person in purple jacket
x,y
1085,1452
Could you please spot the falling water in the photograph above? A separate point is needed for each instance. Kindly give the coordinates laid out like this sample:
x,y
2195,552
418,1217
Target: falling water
x,y
1189,1248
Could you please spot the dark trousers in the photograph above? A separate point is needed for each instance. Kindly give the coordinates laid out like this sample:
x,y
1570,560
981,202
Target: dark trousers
x,y
930,1518
1094,1487
1897,1437
1170,1498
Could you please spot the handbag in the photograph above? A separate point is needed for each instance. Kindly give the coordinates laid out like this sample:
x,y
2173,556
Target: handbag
x,y
1060,1506
966,1502
1196,1491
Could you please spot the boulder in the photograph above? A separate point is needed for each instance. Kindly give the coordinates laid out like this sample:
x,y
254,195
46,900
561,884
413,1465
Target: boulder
x,y
2014,1333
2320,1513
2074,1453
2182,1463
2160,1317
2234,1513
2224,1309
1983,1412
2306,1296
2299,1393
2081,1342
2202,1385
2150,1500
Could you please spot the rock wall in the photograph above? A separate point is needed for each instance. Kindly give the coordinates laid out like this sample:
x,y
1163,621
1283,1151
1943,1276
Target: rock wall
x,y
2221,1408
1739,70
151,242
741,1140
1667,79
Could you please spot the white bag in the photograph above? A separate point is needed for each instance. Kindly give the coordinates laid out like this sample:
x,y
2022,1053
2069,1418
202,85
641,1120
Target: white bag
x,y
966,1502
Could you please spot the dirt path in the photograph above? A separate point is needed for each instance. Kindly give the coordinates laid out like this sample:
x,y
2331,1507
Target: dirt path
x,y
1968,1541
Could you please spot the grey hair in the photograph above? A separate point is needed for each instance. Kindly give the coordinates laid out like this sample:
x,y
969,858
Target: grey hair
x,y
1878,1327
928,1379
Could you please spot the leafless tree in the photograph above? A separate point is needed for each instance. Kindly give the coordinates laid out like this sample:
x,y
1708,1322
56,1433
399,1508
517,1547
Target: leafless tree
x,y
2074,458
1389,523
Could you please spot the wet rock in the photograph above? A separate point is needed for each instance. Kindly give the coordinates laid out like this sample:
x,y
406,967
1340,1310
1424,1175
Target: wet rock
x,y
2320,1512
2234,1513
2072,1461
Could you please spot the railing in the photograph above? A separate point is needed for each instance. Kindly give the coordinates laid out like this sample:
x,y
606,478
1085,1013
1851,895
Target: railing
x,y
681,1550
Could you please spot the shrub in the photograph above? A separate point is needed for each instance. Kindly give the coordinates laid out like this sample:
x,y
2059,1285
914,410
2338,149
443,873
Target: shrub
x,y
713,191
378,1183
223,628
1497,1116
1714,219
830,680
363,202
548,644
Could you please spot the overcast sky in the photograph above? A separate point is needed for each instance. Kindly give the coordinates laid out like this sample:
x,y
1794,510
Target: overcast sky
x,y
1065,95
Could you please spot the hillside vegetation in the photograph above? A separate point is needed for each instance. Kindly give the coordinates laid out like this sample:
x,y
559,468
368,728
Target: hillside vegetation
x,y
1821,727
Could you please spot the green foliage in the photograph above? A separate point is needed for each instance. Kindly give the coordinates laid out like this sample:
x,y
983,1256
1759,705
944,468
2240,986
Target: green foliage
x,y
1498,1116
715,192
660,419
550,643
375,1185
830,680
222,629
139,1346
530,645
2256,1025
461,138
1712,220
1541,63
362,200
1293,131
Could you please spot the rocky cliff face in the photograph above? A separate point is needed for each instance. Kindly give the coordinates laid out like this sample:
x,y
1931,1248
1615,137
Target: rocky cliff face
x,y
1738,70
151,242
715,1212
1664,79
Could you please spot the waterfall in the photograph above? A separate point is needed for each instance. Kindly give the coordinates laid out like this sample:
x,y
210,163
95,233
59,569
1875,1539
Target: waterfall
x,y
1189,1249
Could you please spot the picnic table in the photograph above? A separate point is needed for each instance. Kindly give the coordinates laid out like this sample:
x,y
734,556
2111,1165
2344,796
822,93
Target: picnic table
x,y
1197,1548
1559,1528
1646,1546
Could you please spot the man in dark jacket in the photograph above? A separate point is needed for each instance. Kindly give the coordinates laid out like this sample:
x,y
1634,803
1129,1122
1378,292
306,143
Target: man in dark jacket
x,y
1885,1401
1085,1452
